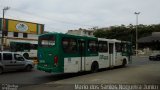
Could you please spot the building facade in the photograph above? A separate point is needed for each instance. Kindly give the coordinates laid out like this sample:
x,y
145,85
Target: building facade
x,y
19,31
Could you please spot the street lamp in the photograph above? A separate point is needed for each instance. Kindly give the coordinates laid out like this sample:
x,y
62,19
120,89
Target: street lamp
x,y
137,13
2,27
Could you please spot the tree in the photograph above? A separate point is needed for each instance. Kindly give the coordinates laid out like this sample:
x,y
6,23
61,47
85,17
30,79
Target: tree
x,y
126,33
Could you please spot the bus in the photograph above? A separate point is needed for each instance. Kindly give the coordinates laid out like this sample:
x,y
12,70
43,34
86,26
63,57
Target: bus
x,y
26,49
64,53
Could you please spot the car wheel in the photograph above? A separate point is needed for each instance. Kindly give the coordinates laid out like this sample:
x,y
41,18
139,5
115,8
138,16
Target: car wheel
x,y
28,68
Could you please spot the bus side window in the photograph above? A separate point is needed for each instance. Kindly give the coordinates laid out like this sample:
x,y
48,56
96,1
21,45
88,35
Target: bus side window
x,y
92,46
118,47
124,47
102,46
33,46
69,45
105,46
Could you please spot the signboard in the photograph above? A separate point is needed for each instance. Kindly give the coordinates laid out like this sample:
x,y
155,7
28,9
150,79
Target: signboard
x,y
22,27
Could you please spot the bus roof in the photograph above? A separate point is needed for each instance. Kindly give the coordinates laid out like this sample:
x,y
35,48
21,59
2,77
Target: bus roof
x,y
109,40
70,35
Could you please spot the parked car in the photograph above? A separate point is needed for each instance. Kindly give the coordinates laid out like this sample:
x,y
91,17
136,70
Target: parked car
x,y
154,57
14,61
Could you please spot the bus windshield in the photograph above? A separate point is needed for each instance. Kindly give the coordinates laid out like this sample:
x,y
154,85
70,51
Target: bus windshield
x,y
47,41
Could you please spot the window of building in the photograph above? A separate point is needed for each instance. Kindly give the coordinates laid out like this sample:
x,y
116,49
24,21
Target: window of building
x,y
102,46
69,45
5,33
25,35
7,56
92,46
15,34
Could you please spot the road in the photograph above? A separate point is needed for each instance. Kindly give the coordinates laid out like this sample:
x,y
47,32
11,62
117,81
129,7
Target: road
x,y
141,71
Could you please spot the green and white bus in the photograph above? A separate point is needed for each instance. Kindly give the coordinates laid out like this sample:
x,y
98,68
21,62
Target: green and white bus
x,y
64,53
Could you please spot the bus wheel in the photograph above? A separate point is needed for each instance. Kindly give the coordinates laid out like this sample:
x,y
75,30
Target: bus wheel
x,y
1,70
94,67
28,68
124,63
26,55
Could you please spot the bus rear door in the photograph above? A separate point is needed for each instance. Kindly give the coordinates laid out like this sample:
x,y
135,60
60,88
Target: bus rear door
x,y
111,54
82,54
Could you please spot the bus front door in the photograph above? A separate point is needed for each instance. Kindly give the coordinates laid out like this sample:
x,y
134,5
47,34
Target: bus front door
x,y
82,54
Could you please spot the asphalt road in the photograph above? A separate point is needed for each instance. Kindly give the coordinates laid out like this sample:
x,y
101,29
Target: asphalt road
x,y
141,71
32,77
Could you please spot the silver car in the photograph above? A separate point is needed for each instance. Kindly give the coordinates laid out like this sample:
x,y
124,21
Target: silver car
x,y
14,61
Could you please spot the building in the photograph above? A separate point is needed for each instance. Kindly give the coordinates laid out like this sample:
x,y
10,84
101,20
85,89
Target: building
x,y
150,44
19,31
82,32
152,41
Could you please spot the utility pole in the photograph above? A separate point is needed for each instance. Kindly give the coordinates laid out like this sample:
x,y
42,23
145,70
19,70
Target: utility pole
x,y
137,13
2,26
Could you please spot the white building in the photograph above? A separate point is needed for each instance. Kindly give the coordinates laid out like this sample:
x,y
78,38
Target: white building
x,y
82,32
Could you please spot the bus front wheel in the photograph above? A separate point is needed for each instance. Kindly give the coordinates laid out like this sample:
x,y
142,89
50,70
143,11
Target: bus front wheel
x,y
94,67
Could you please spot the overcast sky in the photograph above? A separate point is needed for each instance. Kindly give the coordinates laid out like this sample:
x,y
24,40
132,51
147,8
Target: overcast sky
x,y
63,15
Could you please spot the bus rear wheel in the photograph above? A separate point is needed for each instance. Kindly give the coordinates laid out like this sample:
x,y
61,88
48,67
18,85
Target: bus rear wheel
x,y
94,67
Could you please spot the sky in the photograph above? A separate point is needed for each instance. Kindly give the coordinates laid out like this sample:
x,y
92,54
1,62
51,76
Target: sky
x,y
64,15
